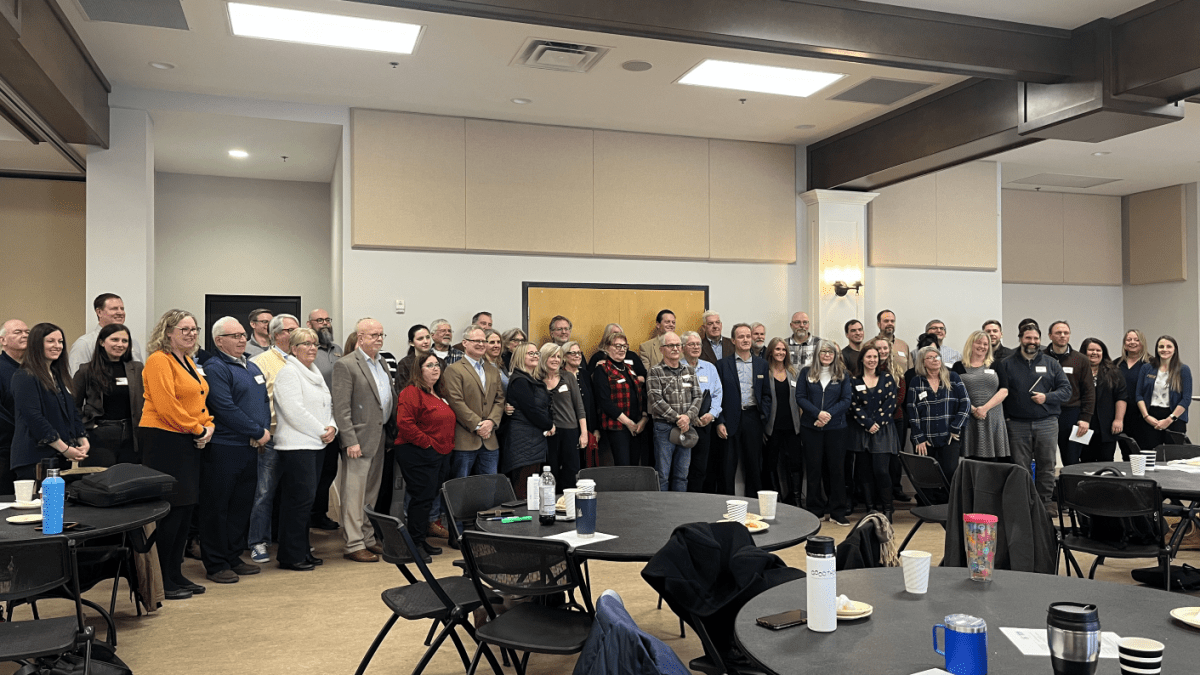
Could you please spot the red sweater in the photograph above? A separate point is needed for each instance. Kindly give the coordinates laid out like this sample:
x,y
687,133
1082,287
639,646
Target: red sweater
x,y
425,420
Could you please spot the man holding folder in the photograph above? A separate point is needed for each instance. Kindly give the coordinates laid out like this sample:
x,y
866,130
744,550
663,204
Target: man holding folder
x,y
1037,389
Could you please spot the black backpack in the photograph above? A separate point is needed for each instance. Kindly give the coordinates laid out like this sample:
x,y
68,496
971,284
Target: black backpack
x,y
122,484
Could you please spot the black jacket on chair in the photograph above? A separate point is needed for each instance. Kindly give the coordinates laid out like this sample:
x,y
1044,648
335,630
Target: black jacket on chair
x,y
1025,537
42,417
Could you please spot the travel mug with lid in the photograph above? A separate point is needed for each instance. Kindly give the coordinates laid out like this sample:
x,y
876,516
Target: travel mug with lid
x,y
964,644
822,584
1073,632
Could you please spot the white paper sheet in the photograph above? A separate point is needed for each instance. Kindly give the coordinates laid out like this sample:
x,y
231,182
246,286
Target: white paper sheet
x,y
575,540
1084,439
6,505
1177,467
933,671
1032,642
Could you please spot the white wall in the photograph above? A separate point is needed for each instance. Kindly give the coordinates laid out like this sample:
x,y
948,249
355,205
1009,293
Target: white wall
x,y
241,236
963,299
1092,311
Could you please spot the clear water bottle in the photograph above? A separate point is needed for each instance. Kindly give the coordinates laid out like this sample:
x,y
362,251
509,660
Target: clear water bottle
x,y
546,510
54,498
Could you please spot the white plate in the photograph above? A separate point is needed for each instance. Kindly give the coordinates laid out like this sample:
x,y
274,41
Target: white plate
x,y
749,516
1188,615
37,503
25,519
861,611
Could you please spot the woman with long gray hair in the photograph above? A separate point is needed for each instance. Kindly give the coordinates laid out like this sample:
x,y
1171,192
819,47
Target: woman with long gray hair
x,y
938,406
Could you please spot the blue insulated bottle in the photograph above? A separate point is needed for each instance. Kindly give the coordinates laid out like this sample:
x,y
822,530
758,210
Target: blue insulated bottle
x,y
54,497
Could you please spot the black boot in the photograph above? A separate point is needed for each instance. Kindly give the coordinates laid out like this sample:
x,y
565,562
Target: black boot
x,y
796,478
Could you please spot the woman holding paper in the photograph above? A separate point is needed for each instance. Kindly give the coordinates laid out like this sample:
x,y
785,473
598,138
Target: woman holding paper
x,y
1109,417
1164,392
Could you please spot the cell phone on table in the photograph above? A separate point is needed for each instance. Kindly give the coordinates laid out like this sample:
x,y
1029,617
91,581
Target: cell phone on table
x,y
795,617
513,504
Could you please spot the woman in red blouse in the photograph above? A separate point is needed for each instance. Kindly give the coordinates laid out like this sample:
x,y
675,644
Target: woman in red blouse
x,y
426,438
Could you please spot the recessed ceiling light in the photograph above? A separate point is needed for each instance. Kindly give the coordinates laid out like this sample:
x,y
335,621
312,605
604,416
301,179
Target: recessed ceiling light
x,y
522,101
240,154
637,66
327,30
805,127
762,79
1100,154
162,65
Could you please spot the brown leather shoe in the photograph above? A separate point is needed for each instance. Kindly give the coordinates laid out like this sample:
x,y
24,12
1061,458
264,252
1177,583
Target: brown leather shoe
x,y
361,555
376,549
436,530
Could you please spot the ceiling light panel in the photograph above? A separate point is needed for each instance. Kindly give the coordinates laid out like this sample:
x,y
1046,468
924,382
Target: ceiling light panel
x,y
756,78
326,30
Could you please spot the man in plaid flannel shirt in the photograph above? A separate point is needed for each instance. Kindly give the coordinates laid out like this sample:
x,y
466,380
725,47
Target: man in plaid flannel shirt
x,y
674,395
802,346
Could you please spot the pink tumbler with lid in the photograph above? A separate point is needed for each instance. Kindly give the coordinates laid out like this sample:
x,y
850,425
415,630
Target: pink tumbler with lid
x,y
979,534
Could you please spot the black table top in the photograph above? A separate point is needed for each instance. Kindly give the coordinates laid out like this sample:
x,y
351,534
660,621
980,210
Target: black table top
x,y
1174,484
111,520
644,521
896,638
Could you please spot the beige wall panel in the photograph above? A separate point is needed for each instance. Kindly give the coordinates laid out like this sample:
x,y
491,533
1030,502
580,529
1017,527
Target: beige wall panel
x,y
903,225
408,180
1032,231
653,190
44,255
967,215
1092,240
529,188
752,201
1157,236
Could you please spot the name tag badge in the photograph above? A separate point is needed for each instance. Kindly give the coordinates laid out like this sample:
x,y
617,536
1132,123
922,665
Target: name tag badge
x,y
259,379
759,376
687,385
921,396
621,381
863,387
792,384
1039,369
989,371
899,353
629,361
1068,369
686,376
200,370
122,381
563,388
703,379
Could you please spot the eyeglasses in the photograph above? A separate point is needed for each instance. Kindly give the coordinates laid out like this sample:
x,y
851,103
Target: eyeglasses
x,y
574,353
675,345
289,331
475,342
188,331
307,344
374,336
620,348
326,320
235,336
432,366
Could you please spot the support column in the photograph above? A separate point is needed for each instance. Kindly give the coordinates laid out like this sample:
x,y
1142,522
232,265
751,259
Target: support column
x,y
837,226
120,220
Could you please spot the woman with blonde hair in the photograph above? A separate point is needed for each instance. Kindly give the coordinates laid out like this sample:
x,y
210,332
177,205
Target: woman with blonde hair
x,y
1133,359
938,407
823,391
531,424
984,437
570,417
1164,393
173,431
619,396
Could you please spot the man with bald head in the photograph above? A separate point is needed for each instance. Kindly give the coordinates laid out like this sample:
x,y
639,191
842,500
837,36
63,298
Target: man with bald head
x,y
714,346
364,398
14,336
110,308
801,344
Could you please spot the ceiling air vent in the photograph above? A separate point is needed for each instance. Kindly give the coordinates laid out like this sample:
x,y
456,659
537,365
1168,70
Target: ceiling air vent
x,y
881,91
154,13
567,57
1063,181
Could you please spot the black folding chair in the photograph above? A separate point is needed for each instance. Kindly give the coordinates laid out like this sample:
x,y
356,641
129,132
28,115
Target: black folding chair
x,y
622,478
1114,497
1170,453
467,496
925,473
536,569
1176,437
31,569
448,601
1128,445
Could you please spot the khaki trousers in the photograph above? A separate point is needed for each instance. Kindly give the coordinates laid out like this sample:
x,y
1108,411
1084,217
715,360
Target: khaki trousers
x,y
358,482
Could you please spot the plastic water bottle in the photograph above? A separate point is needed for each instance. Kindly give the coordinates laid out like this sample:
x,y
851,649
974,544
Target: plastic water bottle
x,y
1033,470
546,510
822,584
54,497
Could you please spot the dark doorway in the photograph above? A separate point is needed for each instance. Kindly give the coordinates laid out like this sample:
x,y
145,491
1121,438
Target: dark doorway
x,y
240,306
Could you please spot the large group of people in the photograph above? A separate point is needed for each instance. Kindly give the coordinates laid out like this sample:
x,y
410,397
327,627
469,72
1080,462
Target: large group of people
x,y
279,412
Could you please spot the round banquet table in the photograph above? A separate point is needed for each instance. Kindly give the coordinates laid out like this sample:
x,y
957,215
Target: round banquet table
x,y
1174,484
896,638
106,521
644,521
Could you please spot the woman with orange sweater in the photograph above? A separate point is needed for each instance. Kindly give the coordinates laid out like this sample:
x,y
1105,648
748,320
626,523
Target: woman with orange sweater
x,y
174,429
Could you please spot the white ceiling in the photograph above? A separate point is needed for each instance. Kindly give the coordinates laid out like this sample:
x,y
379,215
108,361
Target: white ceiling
x,y
1054,13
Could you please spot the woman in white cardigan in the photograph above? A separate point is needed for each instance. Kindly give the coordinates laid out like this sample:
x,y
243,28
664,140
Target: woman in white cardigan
x,y
304,425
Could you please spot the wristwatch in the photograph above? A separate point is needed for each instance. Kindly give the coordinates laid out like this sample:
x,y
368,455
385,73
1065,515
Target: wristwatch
x,y
1173,417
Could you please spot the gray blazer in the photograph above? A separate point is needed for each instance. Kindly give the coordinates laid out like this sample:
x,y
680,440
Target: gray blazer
x,y
796,412
356,408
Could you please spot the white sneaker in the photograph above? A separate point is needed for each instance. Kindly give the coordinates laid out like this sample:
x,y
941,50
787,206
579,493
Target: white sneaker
x,y
258,553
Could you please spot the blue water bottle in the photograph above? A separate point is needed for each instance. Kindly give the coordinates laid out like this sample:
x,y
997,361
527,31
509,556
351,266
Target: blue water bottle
x,y
1033,470
54,497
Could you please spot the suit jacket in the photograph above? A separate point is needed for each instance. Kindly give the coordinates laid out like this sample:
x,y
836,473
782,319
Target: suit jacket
x,y
472,404
706,350
356,404
731,405
91,401
42,418
650,352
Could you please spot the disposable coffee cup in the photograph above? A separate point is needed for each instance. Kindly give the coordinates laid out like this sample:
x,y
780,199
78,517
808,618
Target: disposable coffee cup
x,y
24,490
766,503
1150,456
916,571
1140,656
735,510
569,502
1137,463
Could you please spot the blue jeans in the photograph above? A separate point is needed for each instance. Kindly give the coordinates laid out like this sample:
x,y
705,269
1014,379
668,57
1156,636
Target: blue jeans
x,y
264,494
672,461
479,462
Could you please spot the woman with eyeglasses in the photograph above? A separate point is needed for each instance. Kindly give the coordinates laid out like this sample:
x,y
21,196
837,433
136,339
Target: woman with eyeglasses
x,y
619,396
47,423
823,391
574,364
570,418
108,393
938,407
1163,394
174,429
426,437
531,424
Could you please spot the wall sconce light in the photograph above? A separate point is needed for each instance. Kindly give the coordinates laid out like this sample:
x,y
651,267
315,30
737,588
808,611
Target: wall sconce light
x,y
843,279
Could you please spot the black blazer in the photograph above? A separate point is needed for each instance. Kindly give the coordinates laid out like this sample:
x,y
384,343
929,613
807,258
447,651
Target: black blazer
x,y
731,401
42,418
1106,406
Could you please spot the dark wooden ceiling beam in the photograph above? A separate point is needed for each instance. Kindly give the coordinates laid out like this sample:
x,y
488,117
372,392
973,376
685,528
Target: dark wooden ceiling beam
x,y
1157,48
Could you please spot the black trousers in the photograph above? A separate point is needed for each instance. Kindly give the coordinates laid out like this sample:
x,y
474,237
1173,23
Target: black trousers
x,y
228,478
895,467
717,449
1154,437
948,456
171,536
825,448
562,454
298,471
424,471
1098,450
746,445
383,503
783,444
873,470
327,472
698,470
1069,451
620,441
111,444
6,473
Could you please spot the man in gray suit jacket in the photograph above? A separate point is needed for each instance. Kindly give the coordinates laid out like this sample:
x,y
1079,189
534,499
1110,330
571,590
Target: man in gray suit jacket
x,y
363,400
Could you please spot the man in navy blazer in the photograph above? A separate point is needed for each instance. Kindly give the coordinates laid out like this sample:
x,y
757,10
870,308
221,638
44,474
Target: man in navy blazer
x,y
747,398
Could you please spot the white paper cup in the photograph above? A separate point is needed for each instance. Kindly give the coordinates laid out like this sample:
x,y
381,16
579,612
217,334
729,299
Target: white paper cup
x,y
1137,462
1150,456
766,503
569,502
736,509
24,490
916,571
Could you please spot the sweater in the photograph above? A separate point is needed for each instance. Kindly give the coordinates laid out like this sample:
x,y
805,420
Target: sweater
x,y
270,363
424,420
303,407
1042,374
1079,373
871,406
815,399
238,400
175,400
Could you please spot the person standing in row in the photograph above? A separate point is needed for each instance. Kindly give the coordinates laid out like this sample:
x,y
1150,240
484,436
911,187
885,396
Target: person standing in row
x,y
1109,418
47,421
531,425
619,397
710,409
872,406
714,346
109,395
747,400
895,368
824,392
573,363
782,425
674,397
1135,355
328,352
938,407
758,340
110,309
260,336
854,344
950,355
1078,410
473,389
995,334
650,351
984,436
885,320
14,338
1163,395
427,429
570,417
802,345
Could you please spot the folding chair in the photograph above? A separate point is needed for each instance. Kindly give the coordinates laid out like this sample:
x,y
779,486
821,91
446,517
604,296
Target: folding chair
x,y
925,473
31,569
